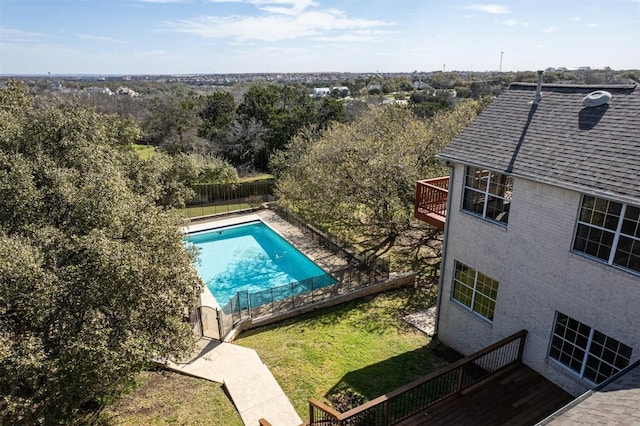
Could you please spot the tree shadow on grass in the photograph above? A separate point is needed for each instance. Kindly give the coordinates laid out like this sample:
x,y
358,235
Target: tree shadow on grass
x,y
370,382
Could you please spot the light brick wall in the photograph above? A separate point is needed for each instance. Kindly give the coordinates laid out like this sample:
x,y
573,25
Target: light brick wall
x,y
538,275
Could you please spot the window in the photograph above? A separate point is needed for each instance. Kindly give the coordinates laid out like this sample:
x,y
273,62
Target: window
x,y
590,353
475,290
609,231
487,194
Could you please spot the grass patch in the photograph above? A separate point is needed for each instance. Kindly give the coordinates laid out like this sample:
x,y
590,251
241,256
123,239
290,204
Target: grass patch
x,y
196,211
144,151
360,348
255,178
165,397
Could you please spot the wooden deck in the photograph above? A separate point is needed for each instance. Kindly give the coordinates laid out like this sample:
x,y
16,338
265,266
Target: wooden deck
x,y
432,218
431,201
517,396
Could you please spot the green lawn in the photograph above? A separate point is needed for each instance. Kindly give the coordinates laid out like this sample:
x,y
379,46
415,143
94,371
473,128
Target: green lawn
x,y
255,178
196,211
144,151
362,347
166,398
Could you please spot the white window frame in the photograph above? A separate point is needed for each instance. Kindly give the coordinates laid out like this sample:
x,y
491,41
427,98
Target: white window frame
x,y
474,291
588,354
617,233
506,198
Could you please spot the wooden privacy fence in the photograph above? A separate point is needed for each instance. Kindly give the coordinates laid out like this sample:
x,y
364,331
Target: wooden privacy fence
x,y
415,397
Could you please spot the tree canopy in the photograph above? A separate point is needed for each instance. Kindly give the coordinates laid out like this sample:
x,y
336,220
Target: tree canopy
x,y
283,111
94,278
359,178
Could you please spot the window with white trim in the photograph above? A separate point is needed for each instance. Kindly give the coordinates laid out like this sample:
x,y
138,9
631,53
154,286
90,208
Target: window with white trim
x,y
609,231
475,290
487,194
588,352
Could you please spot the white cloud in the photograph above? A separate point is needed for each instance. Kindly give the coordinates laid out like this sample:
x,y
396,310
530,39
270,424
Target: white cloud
x,y
100,38
164,1
358,36
549,30
592,25
488,8
283,7
9,35
155,54
574,18
277,26
510,22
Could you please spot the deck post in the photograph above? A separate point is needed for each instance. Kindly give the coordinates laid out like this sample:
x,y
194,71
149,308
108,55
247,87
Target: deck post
x,y
460,376
521,341
385,415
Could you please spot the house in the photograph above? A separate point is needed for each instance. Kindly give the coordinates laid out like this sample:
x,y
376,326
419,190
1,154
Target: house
x,y
97,90
374,87
320,92
125,91
541,215
400,102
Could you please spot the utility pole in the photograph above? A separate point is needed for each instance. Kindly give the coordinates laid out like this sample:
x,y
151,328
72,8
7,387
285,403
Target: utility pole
x,y
501,53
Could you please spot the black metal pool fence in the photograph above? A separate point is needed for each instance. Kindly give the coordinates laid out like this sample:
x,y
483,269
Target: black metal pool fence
x,y
245,300
360,271
295,295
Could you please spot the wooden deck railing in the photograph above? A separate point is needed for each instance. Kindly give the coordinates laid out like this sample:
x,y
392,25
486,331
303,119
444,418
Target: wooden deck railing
x,y
410,399
431,200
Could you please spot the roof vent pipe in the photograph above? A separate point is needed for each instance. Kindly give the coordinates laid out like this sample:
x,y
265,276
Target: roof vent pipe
x,y
538,96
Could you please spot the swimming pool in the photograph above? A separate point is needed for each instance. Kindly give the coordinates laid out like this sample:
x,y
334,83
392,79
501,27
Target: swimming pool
x,y
252,258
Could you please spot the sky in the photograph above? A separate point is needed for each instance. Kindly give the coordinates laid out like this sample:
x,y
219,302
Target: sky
x,y
133,37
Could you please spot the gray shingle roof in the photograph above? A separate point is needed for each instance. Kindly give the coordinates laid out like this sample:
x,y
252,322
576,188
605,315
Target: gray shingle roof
x,y
615,403
560,142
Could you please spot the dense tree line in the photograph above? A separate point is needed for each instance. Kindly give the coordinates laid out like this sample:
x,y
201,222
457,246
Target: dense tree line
x,y
246,124
245,131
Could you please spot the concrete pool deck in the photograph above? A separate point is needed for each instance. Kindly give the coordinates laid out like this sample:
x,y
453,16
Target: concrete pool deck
x,y
251,386
320,256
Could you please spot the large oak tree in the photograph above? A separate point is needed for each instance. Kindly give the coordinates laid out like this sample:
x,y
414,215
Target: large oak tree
x,y
94,279
359,178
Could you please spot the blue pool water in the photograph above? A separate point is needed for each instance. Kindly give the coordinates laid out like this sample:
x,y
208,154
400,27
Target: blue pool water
x,y
251,257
